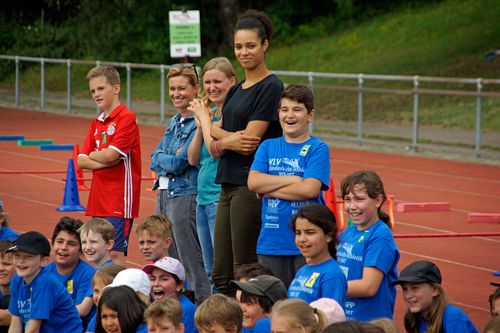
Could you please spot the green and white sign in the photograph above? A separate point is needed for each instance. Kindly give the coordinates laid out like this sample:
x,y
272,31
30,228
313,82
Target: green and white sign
x,y
184,33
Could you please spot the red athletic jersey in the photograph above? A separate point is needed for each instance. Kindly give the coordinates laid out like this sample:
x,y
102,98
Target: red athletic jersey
x,y
116,190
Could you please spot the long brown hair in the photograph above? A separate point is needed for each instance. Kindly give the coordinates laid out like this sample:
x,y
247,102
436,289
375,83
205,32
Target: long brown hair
x,y
373,185
434,317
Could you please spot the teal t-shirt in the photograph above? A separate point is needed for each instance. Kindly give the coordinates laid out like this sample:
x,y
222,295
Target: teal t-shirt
x,y
208,190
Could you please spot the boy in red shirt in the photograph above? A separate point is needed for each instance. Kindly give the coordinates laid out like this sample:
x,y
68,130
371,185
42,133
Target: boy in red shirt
x,y
112,151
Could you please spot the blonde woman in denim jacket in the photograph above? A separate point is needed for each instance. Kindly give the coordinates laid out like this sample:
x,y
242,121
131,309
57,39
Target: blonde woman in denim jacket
x,y
177,179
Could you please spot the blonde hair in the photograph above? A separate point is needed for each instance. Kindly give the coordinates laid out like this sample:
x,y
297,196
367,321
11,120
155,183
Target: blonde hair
x,y
109,72
100,226
436,313
186,70
222,64
301,315
386,324
155,225
219,309
168,309
107,274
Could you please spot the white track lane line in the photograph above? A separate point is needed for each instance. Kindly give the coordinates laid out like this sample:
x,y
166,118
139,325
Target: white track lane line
x,y
443,231
428,173
448,261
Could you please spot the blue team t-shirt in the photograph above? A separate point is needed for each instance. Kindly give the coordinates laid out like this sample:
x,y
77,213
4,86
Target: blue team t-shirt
x,y
7,233
262,325
208,190
454,320
309,159
373,247
47,299
188,310
78,283
313,282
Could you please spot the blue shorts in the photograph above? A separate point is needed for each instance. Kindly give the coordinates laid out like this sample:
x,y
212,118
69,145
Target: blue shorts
x,y
123,227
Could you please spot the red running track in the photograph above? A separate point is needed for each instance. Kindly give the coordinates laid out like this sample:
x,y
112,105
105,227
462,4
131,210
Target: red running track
x,y
467,264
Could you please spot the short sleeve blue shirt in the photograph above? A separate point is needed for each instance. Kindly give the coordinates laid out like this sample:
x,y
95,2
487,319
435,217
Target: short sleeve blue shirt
x,y
454,320
313,282
309,159
373,247
7,233
47,299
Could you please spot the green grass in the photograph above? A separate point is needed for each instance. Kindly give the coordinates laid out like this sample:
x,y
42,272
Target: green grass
x,y
447,39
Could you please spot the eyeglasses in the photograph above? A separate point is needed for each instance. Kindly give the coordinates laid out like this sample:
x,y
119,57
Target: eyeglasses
x,y
189,66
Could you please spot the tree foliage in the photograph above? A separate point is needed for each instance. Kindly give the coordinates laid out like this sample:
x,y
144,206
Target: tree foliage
x,y
138,31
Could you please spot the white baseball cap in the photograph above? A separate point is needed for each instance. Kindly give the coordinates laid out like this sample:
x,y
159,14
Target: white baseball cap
x,y
133,278
169,265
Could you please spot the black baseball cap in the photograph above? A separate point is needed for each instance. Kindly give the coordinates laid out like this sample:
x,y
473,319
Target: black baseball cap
x,y
32,242
419,271
264,285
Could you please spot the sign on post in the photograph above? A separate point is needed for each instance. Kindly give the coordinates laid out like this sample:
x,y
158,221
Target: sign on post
x,y
184,33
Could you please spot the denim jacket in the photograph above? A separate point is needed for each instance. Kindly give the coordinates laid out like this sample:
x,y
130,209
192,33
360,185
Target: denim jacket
x,y
170,158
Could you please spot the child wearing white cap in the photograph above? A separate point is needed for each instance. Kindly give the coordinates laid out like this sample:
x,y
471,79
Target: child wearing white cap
x,y
167,277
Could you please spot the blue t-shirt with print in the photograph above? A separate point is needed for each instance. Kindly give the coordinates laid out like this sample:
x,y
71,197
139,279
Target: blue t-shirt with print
x,y
309,159
313,282
188,310
454,320
78,283
373,247
47,299
262,325
208,190
7,233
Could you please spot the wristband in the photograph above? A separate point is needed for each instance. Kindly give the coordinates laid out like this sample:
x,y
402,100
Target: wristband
x,y
217,148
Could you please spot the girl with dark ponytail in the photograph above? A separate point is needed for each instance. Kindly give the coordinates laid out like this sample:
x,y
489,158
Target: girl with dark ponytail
x,y
316,238
367,253
249,116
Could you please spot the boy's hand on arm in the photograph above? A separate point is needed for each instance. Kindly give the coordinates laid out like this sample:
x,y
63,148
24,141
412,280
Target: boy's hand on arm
x,y
304,190
368,285
84,162
264,183
106,156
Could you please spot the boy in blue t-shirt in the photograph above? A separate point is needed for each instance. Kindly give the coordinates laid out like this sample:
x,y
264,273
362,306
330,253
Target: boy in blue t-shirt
x,y
67,266
39,302
288,173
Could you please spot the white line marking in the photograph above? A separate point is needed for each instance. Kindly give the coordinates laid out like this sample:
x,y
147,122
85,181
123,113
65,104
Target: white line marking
x,y
443,231
33,156
428,173
447,190
448,261
472,307
28,199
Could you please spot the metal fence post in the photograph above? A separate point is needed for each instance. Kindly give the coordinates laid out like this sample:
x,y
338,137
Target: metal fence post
x,y
162,94
42,84
479,85
68,110
415,113
311,85
18,85
360,107
129,87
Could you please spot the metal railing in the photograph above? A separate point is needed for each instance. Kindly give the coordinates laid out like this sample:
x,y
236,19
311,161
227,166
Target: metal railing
x,y
358,86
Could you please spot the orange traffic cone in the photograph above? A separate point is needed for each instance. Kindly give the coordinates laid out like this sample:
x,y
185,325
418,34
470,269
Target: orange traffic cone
x,y
79,172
